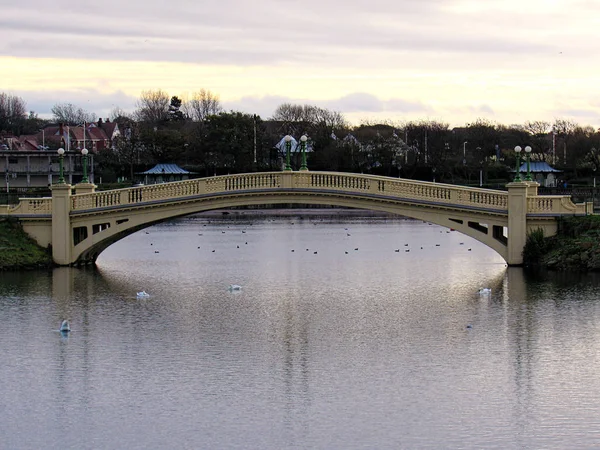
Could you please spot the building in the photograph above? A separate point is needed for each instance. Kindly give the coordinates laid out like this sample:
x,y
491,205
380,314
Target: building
x,y
541,172
95,136
162,173
26,169
31,161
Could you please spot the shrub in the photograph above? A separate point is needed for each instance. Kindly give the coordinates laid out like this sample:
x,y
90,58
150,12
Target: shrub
x,y
536,246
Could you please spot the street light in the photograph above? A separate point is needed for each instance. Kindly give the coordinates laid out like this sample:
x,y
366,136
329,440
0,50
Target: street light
x,y
527,156
465,153
288,149
303,140
84,152
478,149
518,152
61,155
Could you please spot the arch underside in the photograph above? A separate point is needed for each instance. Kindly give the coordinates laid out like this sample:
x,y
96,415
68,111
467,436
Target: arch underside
x,y
95,230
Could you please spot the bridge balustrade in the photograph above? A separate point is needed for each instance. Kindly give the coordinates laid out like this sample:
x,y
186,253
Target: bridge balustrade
x,y
95,200
396,188
32,206
553,204
331,181
244,182
495,200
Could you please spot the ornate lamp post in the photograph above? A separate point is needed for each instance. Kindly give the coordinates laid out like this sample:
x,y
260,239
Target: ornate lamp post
x,y
61,155
303,140
84,153
518,152
527,156
288,149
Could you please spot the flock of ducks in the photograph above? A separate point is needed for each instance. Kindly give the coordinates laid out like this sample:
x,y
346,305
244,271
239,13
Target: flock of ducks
x,y
397,250
237,287
65,327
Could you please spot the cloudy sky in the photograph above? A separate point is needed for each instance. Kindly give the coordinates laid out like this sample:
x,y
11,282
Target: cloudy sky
x,y
509,61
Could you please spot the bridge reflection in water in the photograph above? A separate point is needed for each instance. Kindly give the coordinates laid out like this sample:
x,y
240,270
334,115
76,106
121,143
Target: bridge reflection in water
x,y
80,226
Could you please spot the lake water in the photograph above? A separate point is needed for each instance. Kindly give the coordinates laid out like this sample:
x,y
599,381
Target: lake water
x,y
347,333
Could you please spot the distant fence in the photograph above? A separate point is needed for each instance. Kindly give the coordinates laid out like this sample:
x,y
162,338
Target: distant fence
x,y
12,197
578,194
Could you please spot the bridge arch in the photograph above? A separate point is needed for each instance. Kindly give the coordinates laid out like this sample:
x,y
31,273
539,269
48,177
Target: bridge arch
x,y
122,224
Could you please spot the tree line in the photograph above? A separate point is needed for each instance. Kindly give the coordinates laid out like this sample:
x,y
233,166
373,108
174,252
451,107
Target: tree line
x,y
199,135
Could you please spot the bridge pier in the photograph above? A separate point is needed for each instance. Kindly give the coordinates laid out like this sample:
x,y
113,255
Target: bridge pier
x,y
518,192
61,224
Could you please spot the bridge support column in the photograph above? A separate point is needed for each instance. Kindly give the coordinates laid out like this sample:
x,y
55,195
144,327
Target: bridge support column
x,y
61,224
287,180
517,221
85,188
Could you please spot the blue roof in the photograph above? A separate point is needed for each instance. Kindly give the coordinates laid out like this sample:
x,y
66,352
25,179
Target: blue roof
x,y
162,169
538,167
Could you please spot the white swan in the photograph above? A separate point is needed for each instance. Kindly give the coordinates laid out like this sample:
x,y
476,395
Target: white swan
x,y
142,294
234,287
65,327
484,291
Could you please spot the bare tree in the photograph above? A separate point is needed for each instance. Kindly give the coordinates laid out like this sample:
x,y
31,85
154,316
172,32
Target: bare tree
x,y
119,114
286,112
540,140
537,127
330,119
70,114
202,104
153,106
310,114
563,134
564,126
13,111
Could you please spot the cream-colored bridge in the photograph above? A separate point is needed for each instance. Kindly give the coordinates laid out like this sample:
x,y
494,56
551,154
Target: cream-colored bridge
x,y
79,226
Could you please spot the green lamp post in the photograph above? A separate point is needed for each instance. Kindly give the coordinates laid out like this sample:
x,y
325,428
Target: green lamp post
x,y
303,140
518,174
61,155
527,157
84,153
288,149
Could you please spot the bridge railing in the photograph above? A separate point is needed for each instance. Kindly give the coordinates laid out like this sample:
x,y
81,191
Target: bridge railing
x,y
31,206
432,193
405,189
554,205
395,188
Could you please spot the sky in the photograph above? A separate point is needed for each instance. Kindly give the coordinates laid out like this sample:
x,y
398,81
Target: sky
x,y
455,61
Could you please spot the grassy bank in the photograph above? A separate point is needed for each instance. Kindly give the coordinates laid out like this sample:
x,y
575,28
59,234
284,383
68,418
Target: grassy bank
x,y
18,251
576,246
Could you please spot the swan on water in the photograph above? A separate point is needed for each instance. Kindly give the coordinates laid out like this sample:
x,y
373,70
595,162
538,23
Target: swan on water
x,y
143,294
65,327
234,287
484,291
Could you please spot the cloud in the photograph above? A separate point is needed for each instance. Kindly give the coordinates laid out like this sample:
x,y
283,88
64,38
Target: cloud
x,y
507,60
261,32
362,102
351,104
92,101
579,113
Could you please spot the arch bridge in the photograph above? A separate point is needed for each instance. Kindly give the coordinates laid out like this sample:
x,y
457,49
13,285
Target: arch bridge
x,y
80,225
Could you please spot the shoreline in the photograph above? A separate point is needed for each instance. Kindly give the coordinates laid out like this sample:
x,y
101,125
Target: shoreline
x,y
291,212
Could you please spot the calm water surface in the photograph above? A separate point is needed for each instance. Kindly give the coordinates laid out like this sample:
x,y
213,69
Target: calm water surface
x,y
336,341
